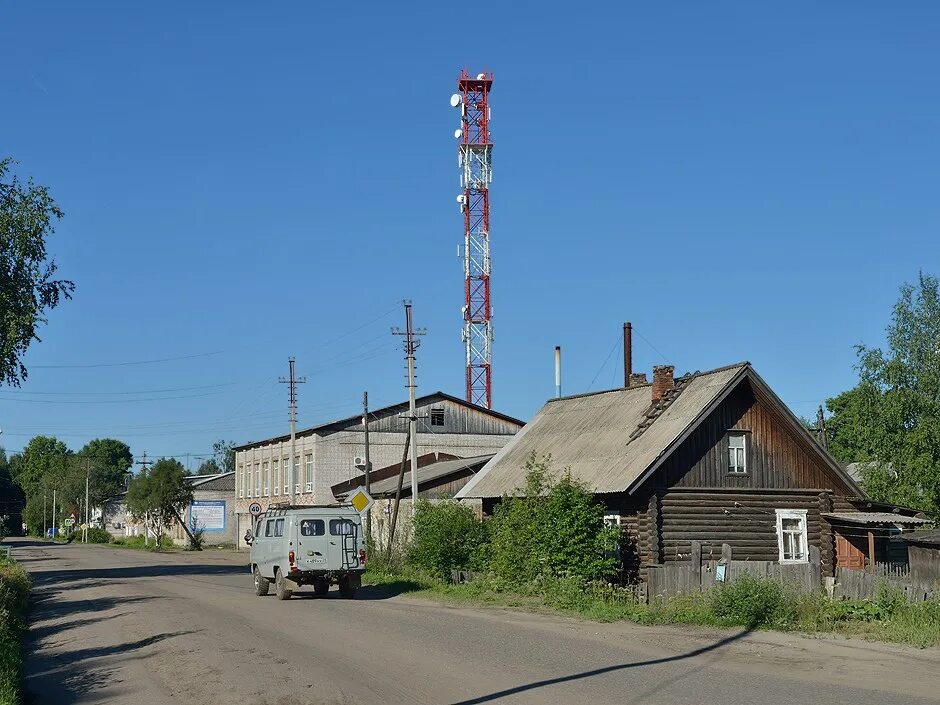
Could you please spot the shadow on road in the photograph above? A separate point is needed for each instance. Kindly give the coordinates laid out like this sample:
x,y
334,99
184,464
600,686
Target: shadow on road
x,y
492,697
63,678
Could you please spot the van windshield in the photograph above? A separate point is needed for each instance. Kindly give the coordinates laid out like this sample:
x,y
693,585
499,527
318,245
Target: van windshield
x,y
312,527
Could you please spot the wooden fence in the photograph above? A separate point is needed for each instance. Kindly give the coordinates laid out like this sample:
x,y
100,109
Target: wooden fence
x,y
853,584
670,579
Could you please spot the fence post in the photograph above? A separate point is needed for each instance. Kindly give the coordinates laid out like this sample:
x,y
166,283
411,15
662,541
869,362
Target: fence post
x,y
696,576
815,568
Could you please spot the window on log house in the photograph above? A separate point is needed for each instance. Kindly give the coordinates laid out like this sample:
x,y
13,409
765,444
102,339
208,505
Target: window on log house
x,y
737,453
791,535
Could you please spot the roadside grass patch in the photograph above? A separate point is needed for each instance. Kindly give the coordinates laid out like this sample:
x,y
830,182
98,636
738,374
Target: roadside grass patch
x,y
137,542
14,597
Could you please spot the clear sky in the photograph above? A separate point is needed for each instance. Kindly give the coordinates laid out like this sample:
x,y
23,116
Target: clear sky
x,y
247,181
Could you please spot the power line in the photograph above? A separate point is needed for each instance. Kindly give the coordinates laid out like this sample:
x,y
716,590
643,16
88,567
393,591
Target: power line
x,y
107,394
606,360
106,401
666,358
127,364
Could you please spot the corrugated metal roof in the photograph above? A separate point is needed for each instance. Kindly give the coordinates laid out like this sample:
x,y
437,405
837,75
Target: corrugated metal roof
x,y
428,473
874,518
931,538
589,435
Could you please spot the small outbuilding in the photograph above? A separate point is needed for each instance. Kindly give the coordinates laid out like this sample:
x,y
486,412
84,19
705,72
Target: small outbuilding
x,y
924,556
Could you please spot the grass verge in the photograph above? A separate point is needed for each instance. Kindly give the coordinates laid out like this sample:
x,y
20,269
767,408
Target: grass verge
x,y
749,602
14,596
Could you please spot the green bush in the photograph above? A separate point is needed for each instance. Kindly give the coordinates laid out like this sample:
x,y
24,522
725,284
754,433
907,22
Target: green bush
x,y
752,602
138,542
446,536
14,596
555,529
97,535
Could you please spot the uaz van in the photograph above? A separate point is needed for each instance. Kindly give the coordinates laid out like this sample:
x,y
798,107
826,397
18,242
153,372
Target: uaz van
x,y
316,545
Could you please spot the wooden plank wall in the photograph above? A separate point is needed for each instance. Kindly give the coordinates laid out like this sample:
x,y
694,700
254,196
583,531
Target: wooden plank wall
x,y
777,456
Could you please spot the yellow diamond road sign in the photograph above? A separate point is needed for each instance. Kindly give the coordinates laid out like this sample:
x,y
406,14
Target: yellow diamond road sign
x,y
361,500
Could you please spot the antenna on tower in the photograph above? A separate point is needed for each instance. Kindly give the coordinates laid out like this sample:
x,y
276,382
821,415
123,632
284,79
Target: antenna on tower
x,y
475,155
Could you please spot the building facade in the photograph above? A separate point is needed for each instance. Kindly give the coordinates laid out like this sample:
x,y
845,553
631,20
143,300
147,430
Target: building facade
x,y
326,455
714,458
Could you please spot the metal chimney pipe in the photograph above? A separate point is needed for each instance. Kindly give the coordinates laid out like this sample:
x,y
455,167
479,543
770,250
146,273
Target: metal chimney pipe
x,y
627,353
557,371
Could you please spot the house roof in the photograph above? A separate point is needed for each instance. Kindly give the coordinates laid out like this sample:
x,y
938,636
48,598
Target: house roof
x,y
221,482
428,473
874,518
612,441
385,410
927,538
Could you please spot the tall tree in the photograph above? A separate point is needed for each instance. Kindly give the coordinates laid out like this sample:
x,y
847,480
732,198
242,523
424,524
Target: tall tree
x,y
849,426
224,452
897,403
28,287
157,496
108,461
208,467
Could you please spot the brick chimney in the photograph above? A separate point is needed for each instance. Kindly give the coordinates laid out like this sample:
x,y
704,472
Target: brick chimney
x,y
637,379
662,380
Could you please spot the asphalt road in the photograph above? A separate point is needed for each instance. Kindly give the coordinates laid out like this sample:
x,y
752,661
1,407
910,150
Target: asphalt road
x,y
119,626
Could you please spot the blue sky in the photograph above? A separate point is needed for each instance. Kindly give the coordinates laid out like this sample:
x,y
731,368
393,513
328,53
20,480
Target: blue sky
x,y
740,181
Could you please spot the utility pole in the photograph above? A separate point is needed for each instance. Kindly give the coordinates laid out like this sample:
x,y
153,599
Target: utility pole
x,y
143,462
365,428
45,526
293,381
54,522
410,346
87,516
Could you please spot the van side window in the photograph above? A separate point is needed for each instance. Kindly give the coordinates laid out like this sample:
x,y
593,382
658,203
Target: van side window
x,y
312,527
269,528
279,527
258,528
342,527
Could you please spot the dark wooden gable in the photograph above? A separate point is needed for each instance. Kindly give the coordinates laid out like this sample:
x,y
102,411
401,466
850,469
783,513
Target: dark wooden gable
x,y
779,456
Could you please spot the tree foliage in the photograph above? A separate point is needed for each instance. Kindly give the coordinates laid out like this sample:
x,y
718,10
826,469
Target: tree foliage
x,y
892,418
208,467
555,529
447,536
28,287
224,453
108,461
158,495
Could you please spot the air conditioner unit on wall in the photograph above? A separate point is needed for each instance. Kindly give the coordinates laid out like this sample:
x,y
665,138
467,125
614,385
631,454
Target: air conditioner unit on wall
x,y
359,461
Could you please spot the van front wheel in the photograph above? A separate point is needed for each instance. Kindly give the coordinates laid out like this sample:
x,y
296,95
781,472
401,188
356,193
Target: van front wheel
x,y
261,583
280,587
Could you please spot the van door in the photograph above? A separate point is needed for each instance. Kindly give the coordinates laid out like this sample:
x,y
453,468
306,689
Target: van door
x,y
344,543
312,544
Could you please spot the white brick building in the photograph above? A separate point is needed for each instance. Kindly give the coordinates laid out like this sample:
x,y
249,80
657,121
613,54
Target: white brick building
x,y
325,455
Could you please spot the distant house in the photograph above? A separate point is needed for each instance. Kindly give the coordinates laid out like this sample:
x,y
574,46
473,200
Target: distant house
x,y
440,476
327,455
714,457
211,510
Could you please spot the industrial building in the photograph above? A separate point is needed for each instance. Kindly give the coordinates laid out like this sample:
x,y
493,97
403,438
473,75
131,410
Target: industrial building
x,y
332,453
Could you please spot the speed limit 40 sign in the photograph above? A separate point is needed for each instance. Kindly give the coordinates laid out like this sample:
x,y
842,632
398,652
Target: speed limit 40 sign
x,y
254,509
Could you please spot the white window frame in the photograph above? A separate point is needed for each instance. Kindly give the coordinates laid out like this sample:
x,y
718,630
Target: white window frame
x,y
799,514
266,475
296,477
240,476
285,468
276,476
743,436
257,479
308,472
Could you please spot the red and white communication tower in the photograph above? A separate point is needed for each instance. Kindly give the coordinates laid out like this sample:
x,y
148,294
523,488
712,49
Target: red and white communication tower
x,y
474,157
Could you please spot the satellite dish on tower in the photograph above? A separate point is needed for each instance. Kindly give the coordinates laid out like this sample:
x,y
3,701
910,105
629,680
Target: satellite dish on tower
x,y
461,199
455,100
458,134
481,76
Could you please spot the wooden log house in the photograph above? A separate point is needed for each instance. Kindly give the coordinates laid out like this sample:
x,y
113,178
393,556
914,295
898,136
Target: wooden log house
x,y
714,457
